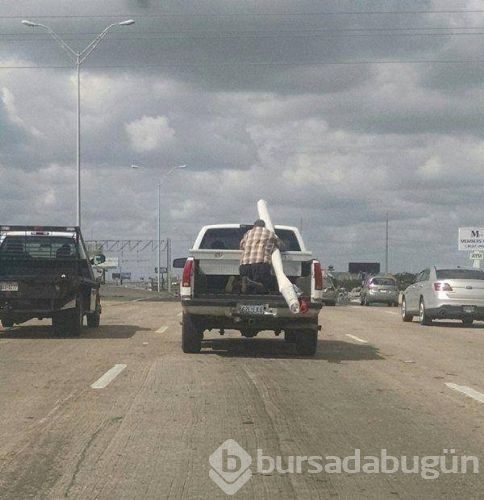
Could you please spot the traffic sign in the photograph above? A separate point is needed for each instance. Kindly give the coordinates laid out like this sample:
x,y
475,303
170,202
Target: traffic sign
x,y
471,238
477,256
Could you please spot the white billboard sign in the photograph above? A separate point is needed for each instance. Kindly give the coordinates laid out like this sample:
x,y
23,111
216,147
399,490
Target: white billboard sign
x,y
471,238
110,263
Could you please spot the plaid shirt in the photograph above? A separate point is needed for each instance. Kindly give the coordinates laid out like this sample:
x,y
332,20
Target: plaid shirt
x,y
257,245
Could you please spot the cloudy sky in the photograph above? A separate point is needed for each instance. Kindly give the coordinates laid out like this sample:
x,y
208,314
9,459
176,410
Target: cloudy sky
x,y
338,113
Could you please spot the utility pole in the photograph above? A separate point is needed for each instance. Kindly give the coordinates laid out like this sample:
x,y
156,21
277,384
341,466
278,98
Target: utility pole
x,y
386,245
168,263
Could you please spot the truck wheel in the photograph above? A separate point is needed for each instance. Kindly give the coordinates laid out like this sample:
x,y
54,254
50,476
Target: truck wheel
x,y
68,323
191,337
58,323
76,319
248,333
7,323
306,342
290,336
93,319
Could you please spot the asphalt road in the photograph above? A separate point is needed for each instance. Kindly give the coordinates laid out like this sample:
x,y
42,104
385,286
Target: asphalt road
x,y
375,384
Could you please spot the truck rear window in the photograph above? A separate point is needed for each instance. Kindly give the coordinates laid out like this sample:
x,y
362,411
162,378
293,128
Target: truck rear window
x,y
228,238
33,247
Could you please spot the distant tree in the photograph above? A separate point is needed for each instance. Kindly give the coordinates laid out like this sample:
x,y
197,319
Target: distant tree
x,y
349,284
404,279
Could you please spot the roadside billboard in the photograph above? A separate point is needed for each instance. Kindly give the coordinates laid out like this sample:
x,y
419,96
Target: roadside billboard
x,y
471,238
364,267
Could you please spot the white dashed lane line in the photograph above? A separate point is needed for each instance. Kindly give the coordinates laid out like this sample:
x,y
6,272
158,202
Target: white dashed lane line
x,y
163,329
108,377
354,337
468,391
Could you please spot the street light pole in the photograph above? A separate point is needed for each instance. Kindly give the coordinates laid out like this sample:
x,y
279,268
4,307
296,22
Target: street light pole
x,y
78,58
159,235
168,264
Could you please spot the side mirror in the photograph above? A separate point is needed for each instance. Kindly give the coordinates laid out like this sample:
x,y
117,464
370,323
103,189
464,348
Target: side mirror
x,y
98,274
179,263
98,259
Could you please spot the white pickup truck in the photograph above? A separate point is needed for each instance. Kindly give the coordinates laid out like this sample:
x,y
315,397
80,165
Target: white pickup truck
x,y
211,297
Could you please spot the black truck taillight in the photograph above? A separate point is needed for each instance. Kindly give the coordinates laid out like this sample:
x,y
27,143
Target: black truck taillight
x,y
187,273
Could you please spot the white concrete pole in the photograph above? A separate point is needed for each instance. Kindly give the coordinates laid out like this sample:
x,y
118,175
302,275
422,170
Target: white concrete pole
x,y
285,286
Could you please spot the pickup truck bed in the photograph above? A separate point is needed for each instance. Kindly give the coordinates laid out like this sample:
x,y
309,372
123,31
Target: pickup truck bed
x,y
211,295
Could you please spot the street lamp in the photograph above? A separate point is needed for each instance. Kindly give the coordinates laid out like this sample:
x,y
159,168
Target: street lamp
x,y
78,58
168,256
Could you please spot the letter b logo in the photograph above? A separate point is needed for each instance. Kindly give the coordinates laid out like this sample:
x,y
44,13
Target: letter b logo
x,y
230,466
230,463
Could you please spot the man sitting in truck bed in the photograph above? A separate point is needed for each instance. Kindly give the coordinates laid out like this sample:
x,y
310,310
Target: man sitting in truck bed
x,y
257,246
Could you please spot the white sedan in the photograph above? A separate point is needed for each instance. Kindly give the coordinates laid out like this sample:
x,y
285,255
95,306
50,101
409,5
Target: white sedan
x,y
445,293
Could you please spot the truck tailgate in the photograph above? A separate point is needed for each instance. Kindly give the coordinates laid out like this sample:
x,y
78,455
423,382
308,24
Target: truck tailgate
x,y
226,262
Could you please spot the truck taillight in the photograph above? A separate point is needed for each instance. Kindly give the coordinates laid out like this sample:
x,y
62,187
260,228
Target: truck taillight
x,y
187,273
318,275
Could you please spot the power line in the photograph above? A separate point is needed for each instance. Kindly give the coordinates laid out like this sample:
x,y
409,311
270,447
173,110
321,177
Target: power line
x,y
258,36
256,14
262,63
264,31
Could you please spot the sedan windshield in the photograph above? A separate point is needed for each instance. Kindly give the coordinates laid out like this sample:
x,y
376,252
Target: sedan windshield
x,y
460,274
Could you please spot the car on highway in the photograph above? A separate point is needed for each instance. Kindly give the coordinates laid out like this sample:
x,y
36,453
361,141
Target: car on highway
x,y
445,293
381,288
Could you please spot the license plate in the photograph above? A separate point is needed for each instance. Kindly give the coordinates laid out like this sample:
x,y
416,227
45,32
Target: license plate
x,y
6,286
469,309
251,309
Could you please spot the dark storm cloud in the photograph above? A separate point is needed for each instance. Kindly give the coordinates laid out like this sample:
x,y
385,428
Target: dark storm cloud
x,y
337,113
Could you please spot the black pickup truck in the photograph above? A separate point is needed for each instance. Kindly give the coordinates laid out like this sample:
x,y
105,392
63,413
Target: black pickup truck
x,y
45,272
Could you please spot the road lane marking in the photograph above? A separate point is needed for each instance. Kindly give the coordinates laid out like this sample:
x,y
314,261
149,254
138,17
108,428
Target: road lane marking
x,y
354,337
391,312
163,329
180,315
471,393
108,377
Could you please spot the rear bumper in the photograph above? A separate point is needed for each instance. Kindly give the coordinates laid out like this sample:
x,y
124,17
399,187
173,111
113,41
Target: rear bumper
x,y
11,308
448,311
388,298
277,316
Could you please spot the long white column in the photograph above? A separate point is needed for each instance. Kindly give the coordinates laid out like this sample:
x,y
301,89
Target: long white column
x,y
285,286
